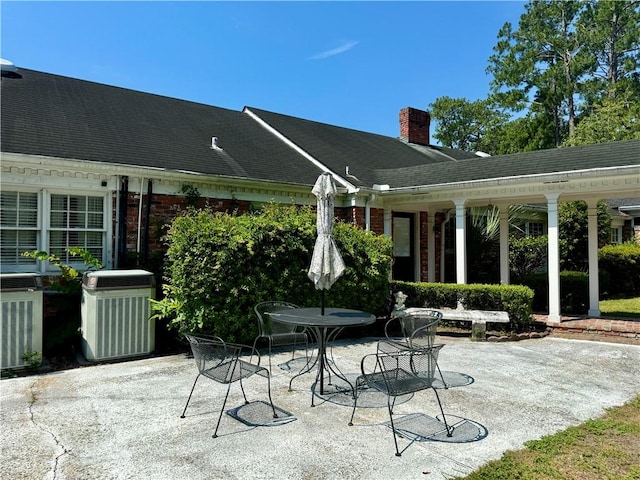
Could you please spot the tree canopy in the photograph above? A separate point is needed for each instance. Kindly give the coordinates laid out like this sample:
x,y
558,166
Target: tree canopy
x,y
568,73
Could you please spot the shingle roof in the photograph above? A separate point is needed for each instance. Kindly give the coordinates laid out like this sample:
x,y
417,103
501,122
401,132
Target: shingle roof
x,y
602,155
44,114
52,115
364,153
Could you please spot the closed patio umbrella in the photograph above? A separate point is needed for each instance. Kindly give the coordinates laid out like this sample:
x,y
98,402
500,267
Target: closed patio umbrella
x,y
326,263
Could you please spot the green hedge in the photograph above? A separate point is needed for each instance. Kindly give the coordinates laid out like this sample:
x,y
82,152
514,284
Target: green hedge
x,y
574,292
622,266
220,266
516,300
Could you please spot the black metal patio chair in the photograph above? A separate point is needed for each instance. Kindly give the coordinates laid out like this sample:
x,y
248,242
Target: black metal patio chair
x,y
396,372
277,333
418,330
220,361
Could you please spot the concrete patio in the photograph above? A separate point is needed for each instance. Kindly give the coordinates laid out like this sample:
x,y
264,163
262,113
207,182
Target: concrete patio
x,y
122,420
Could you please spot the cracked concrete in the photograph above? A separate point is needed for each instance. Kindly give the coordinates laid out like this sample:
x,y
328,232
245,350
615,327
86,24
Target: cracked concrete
x,y
122,420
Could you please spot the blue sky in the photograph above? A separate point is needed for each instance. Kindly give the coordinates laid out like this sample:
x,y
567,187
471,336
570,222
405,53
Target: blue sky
x,y
352,64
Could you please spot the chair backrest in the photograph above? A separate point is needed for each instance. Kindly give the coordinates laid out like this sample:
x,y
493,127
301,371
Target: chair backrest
x,y
209,352
399,365
267,325
420,328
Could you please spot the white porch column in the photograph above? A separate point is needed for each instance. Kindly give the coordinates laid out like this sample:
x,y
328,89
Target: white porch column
x,y
461,242
554,257
504,244
387,220
594,283
431,248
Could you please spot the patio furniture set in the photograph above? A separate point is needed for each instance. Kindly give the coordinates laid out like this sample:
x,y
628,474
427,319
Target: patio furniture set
x,y
401,365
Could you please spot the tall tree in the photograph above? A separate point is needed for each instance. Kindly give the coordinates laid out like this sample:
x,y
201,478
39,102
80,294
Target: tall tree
x,y
570,70
611,119
541,62
611,30
464,125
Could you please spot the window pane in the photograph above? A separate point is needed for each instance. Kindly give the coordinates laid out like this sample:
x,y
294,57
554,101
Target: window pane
x,y
77,220
58,202
19,209
13,243
94,204
8,218
9,200
28,218
58,219
94,220
94,239
77,203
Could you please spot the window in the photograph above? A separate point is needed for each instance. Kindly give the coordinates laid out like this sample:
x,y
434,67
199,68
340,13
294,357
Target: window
x,y
616,235
76,221
71,221
19,232
534,229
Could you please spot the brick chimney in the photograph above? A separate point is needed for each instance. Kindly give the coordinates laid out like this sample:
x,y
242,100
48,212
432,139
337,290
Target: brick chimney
x,y
414,125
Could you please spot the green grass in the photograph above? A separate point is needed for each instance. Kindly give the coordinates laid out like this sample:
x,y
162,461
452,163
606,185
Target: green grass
x,y
623,307
605,448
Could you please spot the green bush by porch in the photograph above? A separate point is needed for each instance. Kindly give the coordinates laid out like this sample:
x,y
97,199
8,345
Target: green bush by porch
x,y
221,265
516,300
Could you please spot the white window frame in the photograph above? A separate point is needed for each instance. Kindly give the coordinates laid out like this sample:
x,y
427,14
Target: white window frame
x,y
44,229
28,265
528,229
616,235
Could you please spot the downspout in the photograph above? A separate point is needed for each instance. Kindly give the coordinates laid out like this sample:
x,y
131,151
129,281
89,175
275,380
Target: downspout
x,y
121,238
147,219
117,232
367,212
139,216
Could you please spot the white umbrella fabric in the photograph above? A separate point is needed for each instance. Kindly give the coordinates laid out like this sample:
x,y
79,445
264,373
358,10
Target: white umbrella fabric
x,y
326,263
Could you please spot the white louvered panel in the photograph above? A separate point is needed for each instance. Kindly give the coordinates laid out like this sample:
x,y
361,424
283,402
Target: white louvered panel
x,y
122,326
116,324
21,330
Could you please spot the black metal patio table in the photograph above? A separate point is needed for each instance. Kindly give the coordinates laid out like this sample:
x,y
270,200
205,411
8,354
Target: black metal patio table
x,y
324,326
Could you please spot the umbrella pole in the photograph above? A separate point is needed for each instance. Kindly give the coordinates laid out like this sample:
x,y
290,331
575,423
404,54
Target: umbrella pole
x,y
322,303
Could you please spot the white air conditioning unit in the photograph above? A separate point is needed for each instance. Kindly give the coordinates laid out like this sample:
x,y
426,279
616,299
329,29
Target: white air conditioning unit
x,y
21,305
116,314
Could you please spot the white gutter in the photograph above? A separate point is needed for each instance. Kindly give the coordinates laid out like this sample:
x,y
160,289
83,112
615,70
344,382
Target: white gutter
x,y
349,186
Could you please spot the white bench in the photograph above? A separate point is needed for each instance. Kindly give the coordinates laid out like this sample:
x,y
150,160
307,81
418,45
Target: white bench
x,y
478,318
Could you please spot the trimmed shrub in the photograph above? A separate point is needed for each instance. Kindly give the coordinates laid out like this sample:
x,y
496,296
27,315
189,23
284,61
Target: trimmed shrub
x,y
527,255
220,266
516,300
622,266
574,292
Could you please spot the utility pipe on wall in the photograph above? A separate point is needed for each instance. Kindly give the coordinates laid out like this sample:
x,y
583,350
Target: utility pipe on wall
x,y
139,215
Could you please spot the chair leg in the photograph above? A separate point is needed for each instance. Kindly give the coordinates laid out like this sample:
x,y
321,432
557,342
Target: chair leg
x,y
446,425
393,404
441,377
188,399
355,402
215,433
273,408
243,394
393,428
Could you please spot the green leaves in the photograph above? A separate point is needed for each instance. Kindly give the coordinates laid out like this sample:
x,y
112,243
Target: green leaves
x,y
221,265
